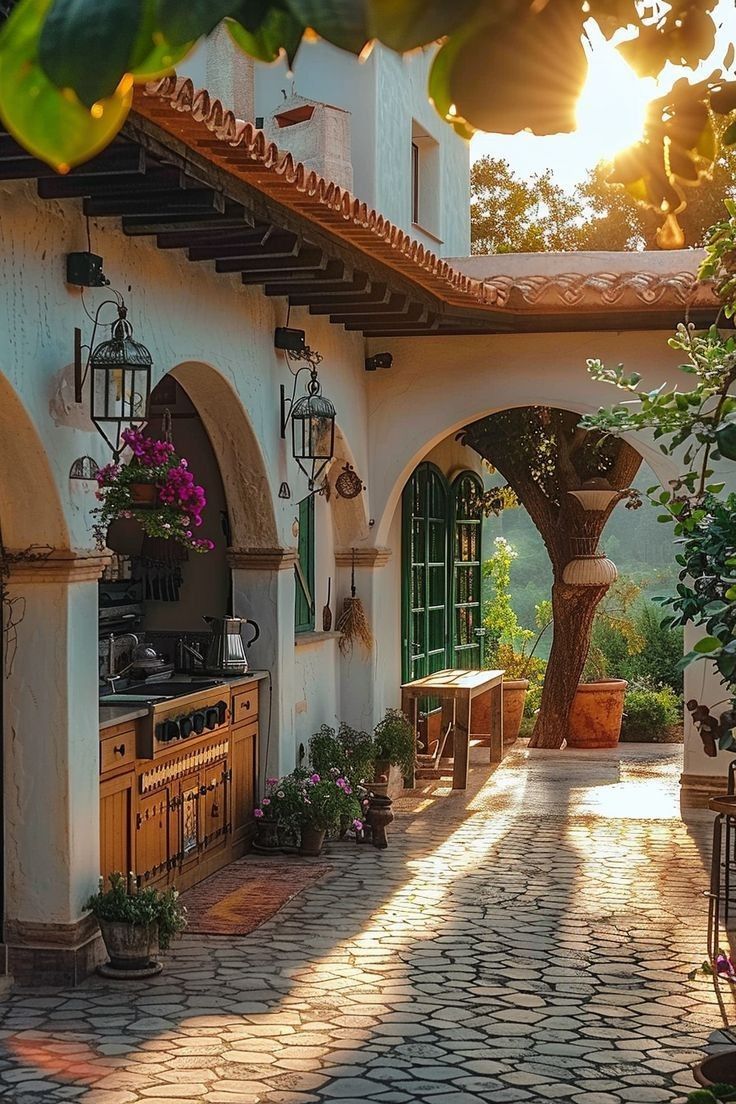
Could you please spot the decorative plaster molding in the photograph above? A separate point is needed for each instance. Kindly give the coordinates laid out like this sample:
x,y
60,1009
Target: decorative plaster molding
x,y
61,565
261,559
364,557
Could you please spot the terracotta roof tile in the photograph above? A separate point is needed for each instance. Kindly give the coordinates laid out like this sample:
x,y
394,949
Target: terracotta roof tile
x,y
203,124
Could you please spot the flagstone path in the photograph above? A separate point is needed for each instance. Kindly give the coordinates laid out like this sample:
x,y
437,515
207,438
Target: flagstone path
x,y
526,941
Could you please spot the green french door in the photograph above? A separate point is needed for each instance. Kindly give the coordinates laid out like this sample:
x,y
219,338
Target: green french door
x,y
467,628
425,503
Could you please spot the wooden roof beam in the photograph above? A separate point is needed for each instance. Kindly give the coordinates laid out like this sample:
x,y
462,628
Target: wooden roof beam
x,y
93,185
154,203
309,259
275,245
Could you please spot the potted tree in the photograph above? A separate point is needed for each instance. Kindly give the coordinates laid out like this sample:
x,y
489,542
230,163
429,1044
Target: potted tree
x,y
135,925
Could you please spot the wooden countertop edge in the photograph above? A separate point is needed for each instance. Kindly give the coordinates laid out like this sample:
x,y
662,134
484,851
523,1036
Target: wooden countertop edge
x,y
112,716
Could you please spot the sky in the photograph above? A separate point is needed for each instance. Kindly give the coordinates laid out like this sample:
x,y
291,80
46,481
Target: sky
x,y
607,120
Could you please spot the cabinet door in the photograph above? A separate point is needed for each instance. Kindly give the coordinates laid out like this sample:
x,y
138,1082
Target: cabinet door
x,y
116,825
152,836
214,811
244,766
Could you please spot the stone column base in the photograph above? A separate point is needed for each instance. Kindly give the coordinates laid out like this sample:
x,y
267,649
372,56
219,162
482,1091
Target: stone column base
x,y
52,954
696,789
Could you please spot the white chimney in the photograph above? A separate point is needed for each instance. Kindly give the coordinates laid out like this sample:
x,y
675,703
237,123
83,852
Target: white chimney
x,y
316,134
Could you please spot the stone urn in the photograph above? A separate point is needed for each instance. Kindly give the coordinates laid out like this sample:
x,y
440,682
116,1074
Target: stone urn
x,y
132,949
312,841
378,817
596,714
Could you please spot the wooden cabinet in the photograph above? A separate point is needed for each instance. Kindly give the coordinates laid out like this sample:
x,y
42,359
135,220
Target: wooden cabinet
x,y
174,813
117,804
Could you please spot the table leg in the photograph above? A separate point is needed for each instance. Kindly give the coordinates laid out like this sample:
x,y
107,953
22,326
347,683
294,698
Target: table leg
x,y
448,721
497,724
462,735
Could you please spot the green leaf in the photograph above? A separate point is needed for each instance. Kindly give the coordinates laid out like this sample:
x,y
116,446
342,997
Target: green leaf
x,y
186,22
153,55
406,24
54,126
344,23
726,438
706,645
86,45
729,135
279,31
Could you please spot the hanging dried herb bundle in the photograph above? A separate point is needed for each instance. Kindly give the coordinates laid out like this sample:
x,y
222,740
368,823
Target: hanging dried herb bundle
x,y
353,622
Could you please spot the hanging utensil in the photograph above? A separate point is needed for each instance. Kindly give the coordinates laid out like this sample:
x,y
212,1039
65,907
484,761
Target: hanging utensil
x,y
353,623
326,611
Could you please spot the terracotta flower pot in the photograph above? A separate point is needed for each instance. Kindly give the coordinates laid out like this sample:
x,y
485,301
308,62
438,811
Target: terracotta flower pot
x,y
716,1069
514,699
143,494
313,840
596,714
130,946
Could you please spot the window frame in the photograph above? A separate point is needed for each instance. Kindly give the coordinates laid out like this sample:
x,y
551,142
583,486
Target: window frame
x,y
304,609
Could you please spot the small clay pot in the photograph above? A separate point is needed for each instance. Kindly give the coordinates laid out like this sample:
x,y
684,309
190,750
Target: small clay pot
x,y
313,840
130,946
143,494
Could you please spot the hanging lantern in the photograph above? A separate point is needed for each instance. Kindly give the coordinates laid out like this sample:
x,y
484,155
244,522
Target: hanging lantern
x,y
596,494
312,429
121,379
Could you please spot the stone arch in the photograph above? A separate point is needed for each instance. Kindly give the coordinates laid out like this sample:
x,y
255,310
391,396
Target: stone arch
x,y
663,467
242,466
31,510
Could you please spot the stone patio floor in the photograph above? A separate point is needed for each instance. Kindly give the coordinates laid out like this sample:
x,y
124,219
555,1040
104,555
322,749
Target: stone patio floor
x,y
527,940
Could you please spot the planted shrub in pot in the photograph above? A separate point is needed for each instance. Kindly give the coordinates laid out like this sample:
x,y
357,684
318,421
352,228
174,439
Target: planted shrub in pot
x,y
393,746
135,925
305,806
651,714
350,750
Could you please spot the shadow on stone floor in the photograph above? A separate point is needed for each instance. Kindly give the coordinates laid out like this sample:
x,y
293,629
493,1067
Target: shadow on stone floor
x,y
526,940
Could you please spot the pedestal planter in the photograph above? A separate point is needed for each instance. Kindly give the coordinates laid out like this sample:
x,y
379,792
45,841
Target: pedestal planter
x,y
313,840
596,714
378,817
132,949
143,494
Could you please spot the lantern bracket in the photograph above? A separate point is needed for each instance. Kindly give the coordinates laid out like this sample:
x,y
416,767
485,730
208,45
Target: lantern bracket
x,y
313,388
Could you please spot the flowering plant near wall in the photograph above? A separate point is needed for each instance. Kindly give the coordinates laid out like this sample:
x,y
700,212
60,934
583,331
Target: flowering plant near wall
x,y
303,798
172,504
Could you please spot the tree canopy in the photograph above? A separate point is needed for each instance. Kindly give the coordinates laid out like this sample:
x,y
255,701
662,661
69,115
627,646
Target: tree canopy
x,y
67,68
511,215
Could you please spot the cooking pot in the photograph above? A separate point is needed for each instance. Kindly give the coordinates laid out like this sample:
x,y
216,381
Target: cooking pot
x,y
226,651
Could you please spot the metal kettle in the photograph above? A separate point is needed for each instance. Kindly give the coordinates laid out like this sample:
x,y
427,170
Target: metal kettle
x,y
226,651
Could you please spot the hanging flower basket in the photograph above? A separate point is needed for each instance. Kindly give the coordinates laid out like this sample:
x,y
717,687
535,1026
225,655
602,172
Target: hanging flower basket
x,y
156,489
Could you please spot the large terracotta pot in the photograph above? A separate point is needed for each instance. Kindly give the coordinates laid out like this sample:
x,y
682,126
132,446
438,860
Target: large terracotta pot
x,y
313,840
514,698
596,714
130,946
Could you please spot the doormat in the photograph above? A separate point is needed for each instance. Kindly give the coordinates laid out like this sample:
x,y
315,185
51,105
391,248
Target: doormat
x,y
245,894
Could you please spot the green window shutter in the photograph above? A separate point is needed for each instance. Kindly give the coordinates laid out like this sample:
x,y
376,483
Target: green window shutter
x,y
466,612
425,582
304,571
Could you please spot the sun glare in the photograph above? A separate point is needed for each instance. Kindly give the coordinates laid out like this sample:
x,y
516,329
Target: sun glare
x,y
612,106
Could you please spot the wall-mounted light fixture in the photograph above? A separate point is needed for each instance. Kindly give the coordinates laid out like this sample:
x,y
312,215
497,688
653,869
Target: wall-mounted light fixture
x,y
120,376
312,420
379,360
289,340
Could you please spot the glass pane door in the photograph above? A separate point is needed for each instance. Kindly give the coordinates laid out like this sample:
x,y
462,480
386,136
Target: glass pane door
x,y
466,572
425,580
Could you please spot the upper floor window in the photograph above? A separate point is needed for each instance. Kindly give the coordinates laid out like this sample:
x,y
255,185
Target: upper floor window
x,y
425,180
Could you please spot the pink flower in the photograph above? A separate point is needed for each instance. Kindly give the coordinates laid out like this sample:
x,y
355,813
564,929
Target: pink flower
x,y
266,801
258,812
271,781
358,825
314,779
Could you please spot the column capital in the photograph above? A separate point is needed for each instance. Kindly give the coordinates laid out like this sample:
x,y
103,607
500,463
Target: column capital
x,y
55,565
364,557
261,559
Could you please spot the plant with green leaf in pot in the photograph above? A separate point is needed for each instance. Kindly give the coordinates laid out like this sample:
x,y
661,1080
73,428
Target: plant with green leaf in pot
x,y
393,744
350,750
136,923
699,427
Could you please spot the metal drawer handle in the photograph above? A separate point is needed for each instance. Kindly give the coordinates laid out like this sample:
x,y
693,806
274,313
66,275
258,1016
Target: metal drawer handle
x,y
119,750
245,705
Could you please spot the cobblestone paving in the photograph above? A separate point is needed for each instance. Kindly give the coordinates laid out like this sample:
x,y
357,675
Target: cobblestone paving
x,y
526,941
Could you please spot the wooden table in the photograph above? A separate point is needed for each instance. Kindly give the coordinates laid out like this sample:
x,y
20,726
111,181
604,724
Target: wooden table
x,y
457,690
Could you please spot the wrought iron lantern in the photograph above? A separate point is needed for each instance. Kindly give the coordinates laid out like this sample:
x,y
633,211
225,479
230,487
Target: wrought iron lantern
x,y
312,420
120,377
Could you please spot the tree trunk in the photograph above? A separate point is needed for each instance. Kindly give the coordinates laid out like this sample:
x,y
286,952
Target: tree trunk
x,y
573,610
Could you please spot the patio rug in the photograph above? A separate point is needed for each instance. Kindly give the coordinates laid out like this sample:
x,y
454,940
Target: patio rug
x,y
242,896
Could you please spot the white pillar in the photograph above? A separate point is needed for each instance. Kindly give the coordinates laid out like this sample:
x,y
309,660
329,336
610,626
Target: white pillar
x,y
263,589
702,775
51,763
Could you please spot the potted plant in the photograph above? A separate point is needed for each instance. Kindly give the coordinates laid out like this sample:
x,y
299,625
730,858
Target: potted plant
x,y
156,489
350,750
507,643
135,925
278,816
393,746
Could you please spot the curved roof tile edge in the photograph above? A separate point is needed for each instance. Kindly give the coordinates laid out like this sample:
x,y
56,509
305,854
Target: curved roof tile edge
x,y
554,293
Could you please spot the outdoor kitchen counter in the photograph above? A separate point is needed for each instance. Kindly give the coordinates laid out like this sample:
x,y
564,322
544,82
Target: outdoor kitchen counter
x,y
123,713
